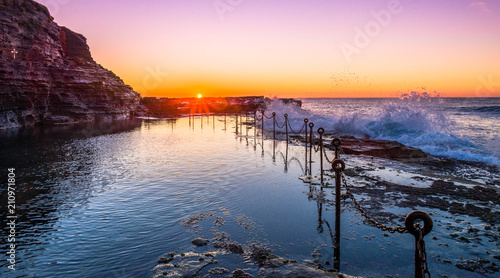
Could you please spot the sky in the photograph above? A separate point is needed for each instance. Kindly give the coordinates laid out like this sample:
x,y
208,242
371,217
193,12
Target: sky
x,y
293,48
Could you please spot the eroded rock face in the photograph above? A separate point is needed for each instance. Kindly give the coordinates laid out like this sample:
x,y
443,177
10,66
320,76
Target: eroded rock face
x,y
48,75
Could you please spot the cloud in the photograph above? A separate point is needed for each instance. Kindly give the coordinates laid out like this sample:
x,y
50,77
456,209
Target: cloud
x,y
480,5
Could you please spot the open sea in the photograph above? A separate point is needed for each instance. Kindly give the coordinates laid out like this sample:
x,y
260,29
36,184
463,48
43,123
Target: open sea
x,y
107,199
459,128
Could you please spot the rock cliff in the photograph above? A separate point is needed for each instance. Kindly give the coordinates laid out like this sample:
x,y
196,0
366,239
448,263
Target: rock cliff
x,y
48,76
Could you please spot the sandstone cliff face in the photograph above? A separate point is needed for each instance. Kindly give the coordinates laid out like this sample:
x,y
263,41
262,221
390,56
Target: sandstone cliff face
x,y
48,76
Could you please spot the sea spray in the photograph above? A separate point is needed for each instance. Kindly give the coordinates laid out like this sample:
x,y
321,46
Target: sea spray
x,y
415,119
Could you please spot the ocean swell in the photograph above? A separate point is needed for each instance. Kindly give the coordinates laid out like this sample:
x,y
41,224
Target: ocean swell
x,y
416,120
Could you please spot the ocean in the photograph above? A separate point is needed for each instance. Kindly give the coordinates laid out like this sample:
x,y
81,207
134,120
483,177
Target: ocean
x,y
458,128
109,199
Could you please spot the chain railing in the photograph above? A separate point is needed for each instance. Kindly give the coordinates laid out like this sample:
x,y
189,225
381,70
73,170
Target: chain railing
x,y
412,220
338,166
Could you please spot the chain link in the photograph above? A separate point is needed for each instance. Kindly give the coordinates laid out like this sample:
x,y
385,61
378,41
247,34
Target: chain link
x,y
312,144
280,127
326,156
372,221
323,221
422,253
264,115
291,129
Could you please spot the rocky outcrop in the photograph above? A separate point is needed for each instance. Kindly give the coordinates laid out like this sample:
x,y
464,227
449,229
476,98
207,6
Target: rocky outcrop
x,y
48,75
380,148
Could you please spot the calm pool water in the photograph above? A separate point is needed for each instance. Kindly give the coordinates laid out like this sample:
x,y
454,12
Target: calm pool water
x,y
106,201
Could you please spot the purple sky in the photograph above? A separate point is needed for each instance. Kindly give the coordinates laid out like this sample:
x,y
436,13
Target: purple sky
x,y
322,48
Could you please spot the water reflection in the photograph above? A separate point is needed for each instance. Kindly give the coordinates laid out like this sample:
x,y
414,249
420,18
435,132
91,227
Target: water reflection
x,y
102,204
51,179
316,192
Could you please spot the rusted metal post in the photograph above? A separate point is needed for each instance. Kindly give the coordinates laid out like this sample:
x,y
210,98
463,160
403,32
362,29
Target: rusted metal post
x,y
338,166
286,127
274,151
241,121
225,121
311,142
305,124
286,158
262,129
418,232
336,143
274,125
236,123
246,123
321,131
255,123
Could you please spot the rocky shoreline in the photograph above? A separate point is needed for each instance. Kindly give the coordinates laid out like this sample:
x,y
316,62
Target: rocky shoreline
x,y
217,257
48,75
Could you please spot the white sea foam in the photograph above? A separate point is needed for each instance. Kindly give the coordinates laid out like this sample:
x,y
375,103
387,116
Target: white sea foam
x,y
416,120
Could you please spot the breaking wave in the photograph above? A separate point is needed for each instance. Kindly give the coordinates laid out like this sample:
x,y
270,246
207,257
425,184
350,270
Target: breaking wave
x,y
415,119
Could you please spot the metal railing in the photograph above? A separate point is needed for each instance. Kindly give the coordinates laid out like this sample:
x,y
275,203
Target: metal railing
x,y
412,221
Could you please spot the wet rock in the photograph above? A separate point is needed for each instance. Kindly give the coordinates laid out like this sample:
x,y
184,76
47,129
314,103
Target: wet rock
x,y
195,219
164,260
200,241
219,221
218,271
238,273
380,148
481,266
235,248
188,265
223,241
295,271
464,239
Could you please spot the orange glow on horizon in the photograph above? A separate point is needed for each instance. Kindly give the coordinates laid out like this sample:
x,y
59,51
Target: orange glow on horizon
x,y
337,49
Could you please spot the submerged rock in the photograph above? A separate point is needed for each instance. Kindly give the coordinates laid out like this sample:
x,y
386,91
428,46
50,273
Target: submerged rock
x,y
238,273
200,241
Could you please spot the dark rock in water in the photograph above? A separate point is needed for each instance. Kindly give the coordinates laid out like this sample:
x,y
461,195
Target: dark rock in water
x,y
218,271
235,248
380,148
48,75
200,241
269,265
164,260
238,273
481,266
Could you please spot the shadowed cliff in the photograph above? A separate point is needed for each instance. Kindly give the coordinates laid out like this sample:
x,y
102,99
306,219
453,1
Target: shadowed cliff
x,y
48,76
